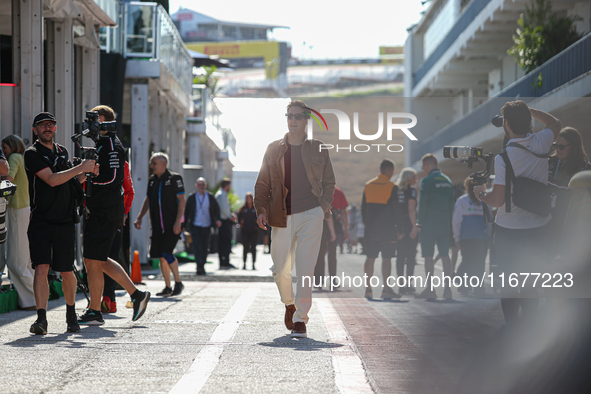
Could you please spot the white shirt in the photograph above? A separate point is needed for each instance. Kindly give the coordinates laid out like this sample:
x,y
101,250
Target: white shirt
x,y
225,208
526,165
202,218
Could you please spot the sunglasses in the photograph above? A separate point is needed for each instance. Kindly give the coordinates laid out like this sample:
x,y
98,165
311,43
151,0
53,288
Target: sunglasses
x,y
561,147
46,125
296,116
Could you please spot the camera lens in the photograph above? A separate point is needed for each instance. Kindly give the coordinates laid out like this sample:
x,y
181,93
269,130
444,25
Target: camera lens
x,y
461,152
497,121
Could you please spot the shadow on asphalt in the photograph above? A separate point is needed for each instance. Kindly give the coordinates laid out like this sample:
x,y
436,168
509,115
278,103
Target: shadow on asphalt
x,y
110,316
391,301
10,317
302,344
444,301
71,340
164,299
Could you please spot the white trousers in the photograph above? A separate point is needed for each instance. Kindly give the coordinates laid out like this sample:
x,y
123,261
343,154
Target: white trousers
x,y
17,256
298,244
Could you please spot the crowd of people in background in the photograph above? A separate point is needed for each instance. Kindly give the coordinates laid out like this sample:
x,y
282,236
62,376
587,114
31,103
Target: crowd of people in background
x,y
394,217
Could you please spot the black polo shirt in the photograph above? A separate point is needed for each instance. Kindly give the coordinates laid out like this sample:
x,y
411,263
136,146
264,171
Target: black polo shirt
x,y
49,204
162,193
107,187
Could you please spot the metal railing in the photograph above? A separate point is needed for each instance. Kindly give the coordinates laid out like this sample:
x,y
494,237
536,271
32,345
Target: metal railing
x,y
558,71
145,31
469,14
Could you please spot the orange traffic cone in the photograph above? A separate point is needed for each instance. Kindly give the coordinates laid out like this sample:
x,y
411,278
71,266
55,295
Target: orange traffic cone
x,y
136,269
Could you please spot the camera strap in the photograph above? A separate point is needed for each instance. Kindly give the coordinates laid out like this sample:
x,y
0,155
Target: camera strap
x,y
509,177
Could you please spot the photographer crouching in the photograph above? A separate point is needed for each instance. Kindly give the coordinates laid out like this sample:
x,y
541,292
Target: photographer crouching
x,y
521,224
105,216
55,191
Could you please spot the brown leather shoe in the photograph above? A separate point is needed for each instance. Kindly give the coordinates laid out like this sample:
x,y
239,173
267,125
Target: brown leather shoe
x,y
299,330
289,311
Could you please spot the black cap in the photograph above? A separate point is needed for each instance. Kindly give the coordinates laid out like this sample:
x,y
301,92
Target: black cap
x,y
42,117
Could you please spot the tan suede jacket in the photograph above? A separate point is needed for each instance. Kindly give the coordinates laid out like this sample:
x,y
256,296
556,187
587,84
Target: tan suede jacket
x,y
270,191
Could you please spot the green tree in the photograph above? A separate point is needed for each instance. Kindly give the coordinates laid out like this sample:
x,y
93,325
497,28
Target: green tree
x,y
542,34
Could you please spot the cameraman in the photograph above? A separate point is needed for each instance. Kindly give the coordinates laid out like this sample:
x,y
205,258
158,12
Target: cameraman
x,y
52,230
520,235
105,215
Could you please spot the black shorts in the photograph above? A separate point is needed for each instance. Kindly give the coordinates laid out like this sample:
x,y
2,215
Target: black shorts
x,y
52,244
98,237
162,242
372,249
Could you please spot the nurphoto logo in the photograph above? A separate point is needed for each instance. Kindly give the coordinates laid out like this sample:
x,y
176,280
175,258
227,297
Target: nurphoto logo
x,y
392,120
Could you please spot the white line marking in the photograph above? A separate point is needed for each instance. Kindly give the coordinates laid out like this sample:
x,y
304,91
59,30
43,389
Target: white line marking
x,y
207,359
349,372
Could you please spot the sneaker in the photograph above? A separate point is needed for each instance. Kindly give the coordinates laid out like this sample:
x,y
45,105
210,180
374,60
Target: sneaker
x,y
289,311
113,307
388,294
427,294
72,322
140,305
299,330
447,293
106,304
167,291
178,289
369,293
39,327
91,318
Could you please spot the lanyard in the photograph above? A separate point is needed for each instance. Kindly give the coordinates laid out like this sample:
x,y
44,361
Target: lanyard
x,y
200,201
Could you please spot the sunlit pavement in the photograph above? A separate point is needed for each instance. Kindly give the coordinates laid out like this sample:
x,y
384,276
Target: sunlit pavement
x,y
226,334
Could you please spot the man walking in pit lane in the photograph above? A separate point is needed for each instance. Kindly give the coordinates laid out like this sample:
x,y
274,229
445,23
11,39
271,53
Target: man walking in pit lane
x,y
293,192
201,214
104,217
166,201
381,216
52,229
436,206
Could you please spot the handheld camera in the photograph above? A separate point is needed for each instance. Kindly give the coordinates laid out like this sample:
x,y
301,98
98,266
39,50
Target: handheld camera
x,y
471,155
92,127
7,189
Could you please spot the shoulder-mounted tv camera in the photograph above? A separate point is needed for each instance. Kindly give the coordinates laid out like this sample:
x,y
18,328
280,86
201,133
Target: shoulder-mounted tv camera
x,y
92,127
